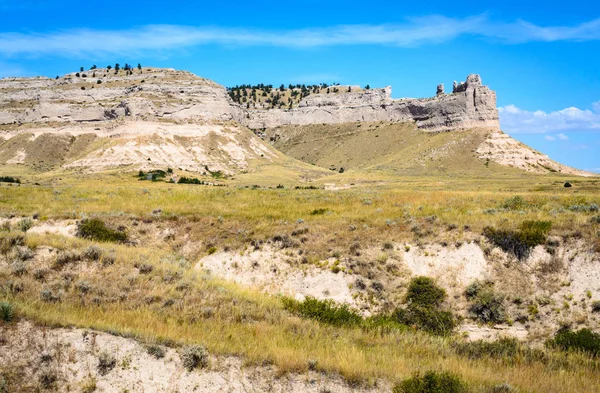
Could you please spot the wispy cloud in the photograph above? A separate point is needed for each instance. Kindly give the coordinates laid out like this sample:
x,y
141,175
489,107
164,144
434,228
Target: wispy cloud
x,y
412,32
519,121
550,138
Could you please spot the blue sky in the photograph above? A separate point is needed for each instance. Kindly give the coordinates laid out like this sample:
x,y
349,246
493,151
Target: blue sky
x,y
542,60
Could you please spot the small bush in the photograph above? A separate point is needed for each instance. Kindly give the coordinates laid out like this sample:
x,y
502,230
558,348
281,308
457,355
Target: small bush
x,y
49,296
83,286
318,212
324,311
156,350
47,378
93,253
194,357
7,312
519,243
190,180
595,220
430,320
432,382
65,257
144,268
423,300
19,268
486,306
25,224
24,253
106,362
583,340
96,229
10,240
423,292
514,203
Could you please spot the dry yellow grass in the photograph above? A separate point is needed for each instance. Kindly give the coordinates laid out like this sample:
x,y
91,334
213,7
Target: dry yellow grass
x,y
228,319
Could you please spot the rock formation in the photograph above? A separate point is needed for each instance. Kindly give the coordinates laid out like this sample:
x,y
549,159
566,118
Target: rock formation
x,y
474,105
103,119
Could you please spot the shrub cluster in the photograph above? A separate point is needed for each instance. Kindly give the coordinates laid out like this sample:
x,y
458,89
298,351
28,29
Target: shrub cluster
x,y
583,340
324,311
424,299
9,179
190,180
154,175
520,242
96,229
486,306
193,357
432,382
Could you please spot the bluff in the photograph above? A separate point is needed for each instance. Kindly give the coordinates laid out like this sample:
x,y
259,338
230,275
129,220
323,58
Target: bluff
x,y
470,105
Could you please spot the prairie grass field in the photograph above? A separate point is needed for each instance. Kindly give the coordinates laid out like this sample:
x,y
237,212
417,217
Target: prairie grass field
x,y
149,289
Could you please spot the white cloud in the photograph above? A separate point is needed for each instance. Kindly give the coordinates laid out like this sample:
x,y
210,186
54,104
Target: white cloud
x,y
519,121
413,32
550,138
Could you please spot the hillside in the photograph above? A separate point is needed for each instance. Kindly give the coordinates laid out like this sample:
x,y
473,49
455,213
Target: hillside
x,y
152,118
402,149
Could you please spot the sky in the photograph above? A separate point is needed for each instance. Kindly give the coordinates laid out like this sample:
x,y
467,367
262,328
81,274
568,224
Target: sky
x,y
542,59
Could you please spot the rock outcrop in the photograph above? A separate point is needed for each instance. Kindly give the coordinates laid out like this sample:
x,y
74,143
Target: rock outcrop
x,y
102,118
471,105
102,95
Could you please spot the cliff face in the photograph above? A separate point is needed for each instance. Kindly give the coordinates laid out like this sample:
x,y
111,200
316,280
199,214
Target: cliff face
x,y
103,95
178,95
471,105
100,119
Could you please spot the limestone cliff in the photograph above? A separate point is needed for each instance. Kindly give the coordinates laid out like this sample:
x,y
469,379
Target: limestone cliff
x,y
472,105
147,117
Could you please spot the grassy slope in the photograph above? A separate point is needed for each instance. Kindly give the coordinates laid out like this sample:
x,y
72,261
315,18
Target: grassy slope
x,y
389,148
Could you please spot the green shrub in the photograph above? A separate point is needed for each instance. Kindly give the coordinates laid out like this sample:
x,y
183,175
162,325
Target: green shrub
x,y
96,229
430,320
7,312
583,340
324,311
519,243
318,212
156,350
486,306
193,357
9,179
189,180
423,300
515,203
423,292
432,382
25,224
